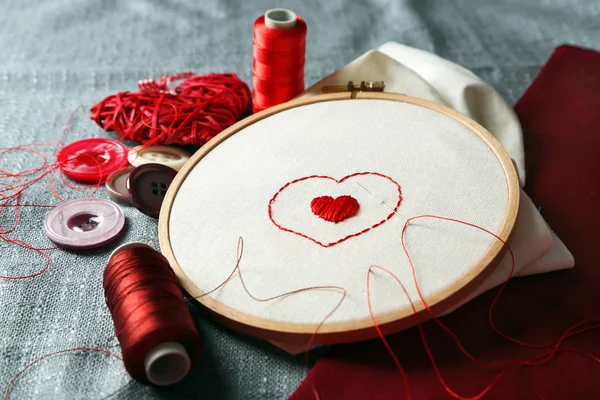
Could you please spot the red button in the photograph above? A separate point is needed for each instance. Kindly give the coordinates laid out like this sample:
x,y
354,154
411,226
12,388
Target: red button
x,y
147,186
92,160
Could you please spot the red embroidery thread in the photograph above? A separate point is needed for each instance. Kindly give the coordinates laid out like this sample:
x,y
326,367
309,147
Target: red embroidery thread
x,y
334,210
337,181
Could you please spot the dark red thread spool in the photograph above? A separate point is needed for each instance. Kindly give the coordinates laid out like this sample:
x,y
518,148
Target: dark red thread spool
x,y
158,337
278,68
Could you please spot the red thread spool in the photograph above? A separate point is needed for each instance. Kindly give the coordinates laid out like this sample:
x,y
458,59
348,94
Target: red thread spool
x,y
190,114
278,68
158,337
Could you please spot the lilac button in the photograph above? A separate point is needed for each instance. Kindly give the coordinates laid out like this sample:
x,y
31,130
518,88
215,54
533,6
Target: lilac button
x,y
116,185
147,186
84,223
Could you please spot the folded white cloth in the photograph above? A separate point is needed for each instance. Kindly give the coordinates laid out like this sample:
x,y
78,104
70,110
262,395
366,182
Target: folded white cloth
x,y
462,90
421,74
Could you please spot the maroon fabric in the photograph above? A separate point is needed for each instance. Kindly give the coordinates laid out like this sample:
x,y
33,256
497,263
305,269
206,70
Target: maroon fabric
x,y
560,114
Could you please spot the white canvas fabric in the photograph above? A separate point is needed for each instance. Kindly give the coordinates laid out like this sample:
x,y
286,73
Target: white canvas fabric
x,y
425,75
443,168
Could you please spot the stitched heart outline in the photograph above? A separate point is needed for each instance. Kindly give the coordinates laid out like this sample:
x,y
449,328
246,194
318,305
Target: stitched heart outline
x,y
281,189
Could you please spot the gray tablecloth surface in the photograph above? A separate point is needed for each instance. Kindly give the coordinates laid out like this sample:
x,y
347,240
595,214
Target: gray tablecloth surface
x,y
56,55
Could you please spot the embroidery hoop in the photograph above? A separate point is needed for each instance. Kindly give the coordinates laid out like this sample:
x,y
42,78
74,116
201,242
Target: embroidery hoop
x,y
353,330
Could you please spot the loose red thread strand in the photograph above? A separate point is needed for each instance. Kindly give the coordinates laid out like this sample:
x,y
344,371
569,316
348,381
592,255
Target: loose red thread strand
x,y
96,185
239,254
278,67
381,335
56,353
11,193
67,129
516,363
494,301
543,358
6,174
127,293
536,361
7,202
118,279
274,198
510,364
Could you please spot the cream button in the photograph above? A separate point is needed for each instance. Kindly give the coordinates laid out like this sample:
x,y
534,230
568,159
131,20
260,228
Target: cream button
x,y
169,156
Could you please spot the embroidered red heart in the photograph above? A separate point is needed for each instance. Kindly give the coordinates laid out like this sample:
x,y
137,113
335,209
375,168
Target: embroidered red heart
x,y
320,206
334,210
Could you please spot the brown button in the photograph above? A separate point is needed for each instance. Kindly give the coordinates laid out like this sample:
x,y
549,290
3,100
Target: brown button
x,y
147,186
116,185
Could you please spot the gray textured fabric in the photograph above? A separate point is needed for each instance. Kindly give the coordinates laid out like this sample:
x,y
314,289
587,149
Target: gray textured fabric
x,y
55,55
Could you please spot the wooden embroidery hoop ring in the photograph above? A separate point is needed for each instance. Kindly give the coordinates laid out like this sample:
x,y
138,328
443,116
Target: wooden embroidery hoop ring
x,y
347,331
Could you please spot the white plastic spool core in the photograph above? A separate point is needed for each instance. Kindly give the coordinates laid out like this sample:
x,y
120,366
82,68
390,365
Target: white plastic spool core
x,y
280,18
166,364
